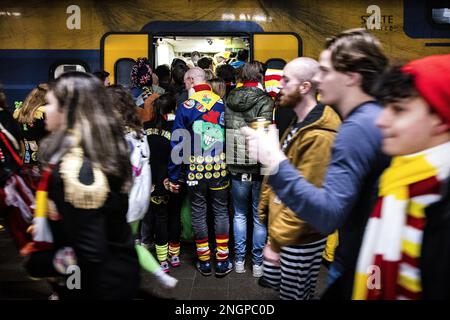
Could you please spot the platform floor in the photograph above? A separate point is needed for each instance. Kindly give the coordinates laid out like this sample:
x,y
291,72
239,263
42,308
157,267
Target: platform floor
x,y
16,285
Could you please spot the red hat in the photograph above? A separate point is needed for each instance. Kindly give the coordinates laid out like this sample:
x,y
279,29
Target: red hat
x,y
432,81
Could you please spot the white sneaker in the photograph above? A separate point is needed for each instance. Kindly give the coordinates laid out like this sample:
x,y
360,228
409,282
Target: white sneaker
x,y
257,271
239,266
53,296
165,280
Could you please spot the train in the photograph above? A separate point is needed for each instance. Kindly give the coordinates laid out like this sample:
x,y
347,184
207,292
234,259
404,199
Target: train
x,y
41,39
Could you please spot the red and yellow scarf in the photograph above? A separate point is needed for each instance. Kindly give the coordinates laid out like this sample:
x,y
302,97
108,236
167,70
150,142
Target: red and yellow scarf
x,y
388,262
42,235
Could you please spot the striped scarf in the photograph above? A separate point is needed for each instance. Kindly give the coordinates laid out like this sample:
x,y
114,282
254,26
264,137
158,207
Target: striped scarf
x,y
388,264
253,84
6,137
272,80
42,235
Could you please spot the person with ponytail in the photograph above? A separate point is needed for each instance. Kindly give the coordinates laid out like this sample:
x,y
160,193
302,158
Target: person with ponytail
x,y
30,117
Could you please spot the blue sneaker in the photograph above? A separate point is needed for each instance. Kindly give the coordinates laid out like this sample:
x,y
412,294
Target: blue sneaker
x,y
223,268
204,267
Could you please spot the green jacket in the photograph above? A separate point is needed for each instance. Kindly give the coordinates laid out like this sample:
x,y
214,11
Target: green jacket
x,y
243,104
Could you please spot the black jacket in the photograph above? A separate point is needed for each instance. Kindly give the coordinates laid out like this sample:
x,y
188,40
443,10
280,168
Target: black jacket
x,y
159,143
102,241
435,256
243,105
8,166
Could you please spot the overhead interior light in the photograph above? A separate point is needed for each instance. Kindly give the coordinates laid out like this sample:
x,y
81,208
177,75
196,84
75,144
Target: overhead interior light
x,y
10,13
441,15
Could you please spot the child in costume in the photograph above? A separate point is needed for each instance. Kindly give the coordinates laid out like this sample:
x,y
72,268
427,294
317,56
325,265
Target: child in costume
x,y
139,198
165,207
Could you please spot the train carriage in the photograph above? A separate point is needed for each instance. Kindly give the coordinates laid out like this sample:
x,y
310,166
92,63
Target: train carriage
x,y
41,39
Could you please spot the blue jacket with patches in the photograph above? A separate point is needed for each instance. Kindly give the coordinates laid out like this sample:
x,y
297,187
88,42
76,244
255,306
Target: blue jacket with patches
x,y
198,138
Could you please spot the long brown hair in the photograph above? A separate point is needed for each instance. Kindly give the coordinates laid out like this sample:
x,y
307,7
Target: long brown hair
x,y
87,109
165,104
123,102
34,100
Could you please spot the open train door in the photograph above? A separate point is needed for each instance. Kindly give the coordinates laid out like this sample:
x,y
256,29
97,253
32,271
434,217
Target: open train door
x,y
275,45
119,50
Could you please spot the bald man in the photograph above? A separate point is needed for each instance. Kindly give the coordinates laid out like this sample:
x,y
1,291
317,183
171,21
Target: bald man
x,y
199,122
293,254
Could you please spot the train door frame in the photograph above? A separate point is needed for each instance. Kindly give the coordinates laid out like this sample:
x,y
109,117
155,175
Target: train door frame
x,y
296,35
153,36
102,48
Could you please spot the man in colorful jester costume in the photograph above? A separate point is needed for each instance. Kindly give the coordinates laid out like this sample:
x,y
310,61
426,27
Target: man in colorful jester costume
x,y
199,123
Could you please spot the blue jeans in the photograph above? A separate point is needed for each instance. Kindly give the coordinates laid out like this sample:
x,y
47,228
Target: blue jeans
x,y
241,191
333,274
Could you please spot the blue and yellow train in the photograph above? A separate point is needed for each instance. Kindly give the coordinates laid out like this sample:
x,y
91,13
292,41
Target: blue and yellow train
x,y
41,39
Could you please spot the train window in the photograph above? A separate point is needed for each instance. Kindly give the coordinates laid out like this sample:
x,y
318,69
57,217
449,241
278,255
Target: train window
x,y
441,15
122,71
438,14
63,68
275,63
429,19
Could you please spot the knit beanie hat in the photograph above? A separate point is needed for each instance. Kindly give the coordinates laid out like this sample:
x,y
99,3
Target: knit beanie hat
x,y
432,80
141,73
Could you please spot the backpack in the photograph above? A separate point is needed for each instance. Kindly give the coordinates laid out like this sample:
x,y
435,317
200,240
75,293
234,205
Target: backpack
x,y
139,197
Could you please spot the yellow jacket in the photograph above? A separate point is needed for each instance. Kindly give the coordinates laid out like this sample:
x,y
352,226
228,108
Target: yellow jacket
x,y
310,151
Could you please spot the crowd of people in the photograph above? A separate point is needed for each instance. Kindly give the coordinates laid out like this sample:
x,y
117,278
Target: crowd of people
x,y
349,169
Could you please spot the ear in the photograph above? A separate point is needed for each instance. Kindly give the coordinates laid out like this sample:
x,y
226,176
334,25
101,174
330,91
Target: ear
x,y
439,126
305,87
353,79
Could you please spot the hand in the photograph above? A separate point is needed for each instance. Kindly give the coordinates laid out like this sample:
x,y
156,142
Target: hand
x,y
265,147
64,258
155,79
31,229
172,187
271,256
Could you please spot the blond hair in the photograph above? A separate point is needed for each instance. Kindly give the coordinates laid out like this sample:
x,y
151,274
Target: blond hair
x,y
218,86
34,100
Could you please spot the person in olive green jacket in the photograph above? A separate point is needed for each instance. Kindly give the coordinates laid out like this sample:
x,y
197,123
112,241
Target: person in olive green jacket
x,y
294,250
243,105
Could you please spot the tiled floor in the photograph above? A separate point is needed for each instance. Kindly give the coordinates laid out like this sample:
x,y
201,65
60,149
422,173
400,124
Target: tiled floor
x,y
15,284
193,285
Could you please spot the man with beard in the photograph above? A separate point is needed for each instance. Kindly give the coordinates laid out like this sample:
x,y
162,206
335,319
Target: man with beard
x,y
349,67
294,249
